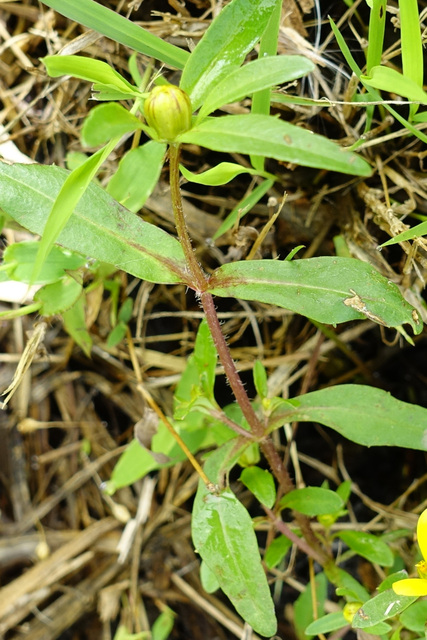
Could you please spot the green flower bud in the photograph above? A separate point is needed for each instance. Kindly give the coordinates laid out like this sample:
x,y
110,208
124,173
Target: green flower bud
x,y
168,110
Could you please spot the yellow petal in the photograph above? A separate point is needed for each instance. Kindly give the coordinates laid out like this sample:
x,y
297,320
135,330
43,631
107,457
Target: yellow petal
x,y
410,587
422,533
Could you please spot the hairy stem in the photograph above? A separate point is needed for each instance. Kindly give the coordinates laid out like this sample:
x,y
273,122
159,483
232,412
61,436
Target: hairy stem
x,y
197,274
200,285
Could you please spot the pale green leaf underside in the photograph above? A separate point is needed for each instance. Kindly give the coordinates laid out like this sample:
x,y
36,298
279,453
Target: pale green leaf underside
x,y
99,227
323,288
363,414
267,136
388,79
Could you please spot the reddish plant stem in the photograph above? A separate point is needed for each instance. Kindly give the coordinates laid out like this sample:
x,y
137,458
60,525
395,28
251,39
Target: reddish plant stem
x,y
227,362
197,275
200,285
299,542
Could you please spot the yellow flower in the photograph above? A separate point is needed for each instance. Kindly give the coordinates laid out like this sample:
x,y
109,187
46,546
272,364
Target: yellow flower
x,y
416,586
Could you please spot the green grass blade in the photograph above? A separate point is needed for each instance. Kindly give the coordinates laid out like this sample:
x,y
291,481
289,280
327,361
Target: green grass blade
x,y
120,29
376,34
411,43
373,94
68,198
267,47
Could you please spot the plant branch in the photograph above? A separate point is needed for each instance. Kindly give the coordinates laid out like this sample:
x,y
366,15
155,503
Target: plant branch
x,y
299,542
194,267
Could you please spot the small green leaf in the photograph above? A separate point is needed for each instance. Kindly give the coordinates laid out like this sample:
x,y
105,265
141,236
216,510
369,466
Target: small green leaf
x,y
414,617
368,546
273,138
163,625
383,606
88,69
257,75
108,121
260,379
277,551
224,46
75,325
132,465
205,357
312,501
221,174
224,536
58,296
137,175
18,261
326,624
261,483
327,289
346,585
388,79
116,335
125,313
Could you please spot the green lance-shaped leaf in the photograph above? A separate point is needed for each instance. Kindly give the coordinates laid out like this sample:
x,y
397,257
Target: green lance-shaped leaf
x,y
103,20
382,607
261,483
221,174
224,46
137,175
254,76
376,34
273,138
108,121
99,227
89,69
411,45
312,501
368,546
223,534
329,290
363,414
